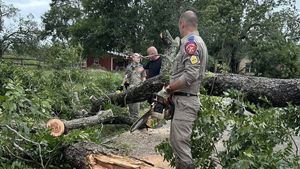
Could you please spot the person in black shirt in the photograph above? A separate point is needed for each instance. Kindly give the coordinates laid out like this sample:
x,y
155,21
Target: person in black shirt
x,y
152,69
153,66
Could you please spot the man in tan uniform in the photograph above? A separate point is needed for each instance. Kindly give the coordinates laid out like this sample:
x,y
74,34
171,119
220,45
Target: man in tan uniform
x,y
187,72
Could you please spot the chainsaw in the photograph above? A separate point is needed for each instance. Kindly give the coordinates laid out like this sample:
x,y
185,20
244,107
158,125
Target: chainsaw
x,y
159,109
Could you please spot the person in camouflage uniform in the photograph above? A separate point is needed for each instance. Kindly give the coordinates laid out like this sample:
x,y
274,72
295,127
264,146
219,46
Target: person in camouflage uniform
x,y
187,72
134,75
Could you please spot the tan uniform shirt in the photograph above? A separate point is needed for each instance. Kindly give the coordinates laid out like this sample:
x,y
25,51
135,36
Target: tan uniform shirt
x,y
189,66
190,62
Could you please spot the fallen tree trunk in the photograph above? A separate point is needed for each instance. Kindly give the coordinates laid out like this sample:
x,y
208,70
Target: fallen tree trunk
x,y
278,91
135,94
87,155
119,120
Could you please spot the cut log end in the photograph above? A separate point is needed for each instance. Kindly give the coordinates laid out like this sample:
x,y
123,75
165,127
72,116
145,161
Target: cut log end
x,y
57,127
102,161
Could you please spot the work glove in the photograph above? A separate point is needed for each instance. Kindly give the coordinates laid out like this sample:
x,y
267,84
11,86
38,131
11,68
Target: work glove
x,y
163,93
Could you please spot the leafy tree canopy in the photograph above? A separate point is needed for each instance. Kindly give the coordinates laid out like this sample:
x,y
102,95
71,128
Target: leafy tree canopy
x,y
15,30
264,31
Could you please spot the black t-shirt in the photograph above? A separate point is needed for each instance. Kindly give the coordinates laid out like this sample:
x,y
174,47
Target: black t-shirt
x,y
153,67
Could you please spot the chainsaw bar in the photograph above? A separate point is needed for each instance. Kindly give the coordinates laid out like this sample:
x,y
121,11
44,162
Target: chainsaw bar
x,y
141,121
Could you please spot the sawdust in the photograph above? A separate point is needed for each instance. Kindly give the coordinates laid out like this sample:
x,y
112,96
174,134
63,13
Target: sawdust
x,y
141,144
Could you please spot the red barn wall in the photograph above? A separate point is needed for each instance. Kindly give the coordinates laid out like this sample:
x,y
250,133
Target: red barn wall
x,y
107,63
89,61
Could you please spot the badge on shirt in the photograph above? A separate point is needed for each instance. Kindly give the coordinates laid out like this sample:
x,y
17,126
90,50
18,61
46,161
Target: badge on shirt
x,y
194,59
190,48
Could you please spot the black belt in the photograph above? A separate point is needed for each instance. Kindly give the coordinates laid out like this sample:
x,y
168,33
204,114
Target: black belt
x,y
183,94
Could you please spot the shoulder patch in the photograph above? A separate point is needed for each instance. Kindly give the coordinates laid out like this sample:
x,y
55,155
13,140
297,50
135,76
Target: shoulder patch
x,y
191,38
194,59
190,47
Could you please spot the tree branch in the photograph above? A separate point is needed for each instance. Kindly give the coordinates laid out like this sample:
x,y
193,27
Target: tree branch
x,y
30,141
244,33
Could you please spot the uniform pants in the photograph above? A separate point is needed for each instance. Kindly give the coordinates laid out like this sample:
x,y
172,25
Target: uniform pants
x,y
185,114
134,109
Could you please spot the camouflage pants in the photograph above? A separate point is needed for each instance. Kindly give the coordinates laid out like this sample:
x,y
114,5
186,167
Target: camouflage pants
x,y
134,109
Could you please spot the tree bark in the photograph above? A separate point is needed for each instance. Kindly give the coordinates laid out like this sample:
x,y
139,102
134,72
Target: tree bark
x,y
278,91
135,94
85,155
88,121
59,127
119,120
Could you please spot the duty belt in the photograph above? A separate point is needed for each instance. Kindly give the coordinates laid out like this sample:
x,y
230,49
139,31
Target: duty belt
x,y
183,94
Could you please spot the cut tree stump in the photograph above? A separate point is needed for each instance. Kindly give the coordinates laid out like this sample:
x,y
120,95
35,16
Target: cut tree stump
x,y
86,155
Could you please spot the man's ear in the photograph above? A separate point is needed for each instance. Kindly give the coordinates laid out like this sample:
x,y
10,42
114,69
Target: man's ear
x,y
182,26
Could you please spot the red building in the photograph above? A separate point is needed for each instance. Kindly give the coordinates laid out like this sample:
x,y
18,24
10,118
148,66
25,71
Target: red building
x,y
105,62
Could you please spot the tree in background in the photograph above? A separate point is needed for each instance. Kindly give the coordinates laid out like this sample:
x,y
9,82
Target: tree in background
x,y
28,46
131,25
62,15
14,30
105,25
263,31
59,57
162,15
255,29
273,47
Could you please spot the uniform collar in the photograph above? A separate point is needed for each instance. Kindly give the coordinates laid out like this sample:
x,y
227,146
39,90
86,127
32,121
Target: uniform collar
x,y
135,64
188,35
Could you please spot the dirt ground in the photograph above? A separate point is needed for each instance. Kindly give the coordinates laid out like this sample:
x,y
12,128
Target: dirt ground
x,y
141,144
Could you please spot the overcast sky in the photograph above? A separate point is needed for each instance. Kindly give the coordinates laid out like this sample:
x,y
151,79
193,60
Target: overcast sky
x,y
35,7
39,7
